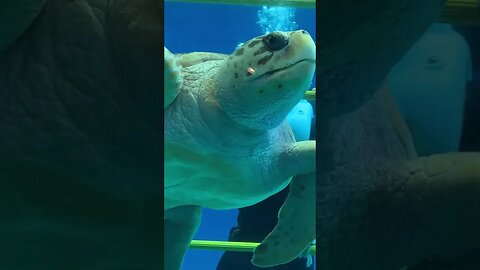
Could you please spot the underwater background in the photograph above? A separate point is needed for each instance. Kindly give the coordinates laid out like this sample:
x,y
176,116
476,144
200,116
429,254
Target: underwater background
x,y
451,70
221,28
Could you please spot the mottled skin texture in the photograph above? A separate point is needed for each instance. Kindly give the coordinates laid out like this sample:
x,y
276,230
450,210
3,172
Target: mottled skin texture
x,y
378,206
80,173
228,145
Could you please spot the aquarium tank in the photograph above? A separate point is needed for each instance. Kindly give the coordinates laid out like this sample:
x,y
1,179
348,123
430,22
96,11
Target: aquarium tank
x,y
221,28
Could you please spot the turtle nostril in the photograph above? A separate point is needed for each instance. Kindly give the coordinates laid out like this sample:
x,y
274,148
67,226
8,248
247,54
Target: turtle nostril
x,y
275,41
304,32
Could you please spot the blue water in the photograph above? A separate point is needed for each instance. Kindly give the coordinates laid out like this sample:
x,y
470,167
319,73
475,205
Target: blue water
x,y
216,28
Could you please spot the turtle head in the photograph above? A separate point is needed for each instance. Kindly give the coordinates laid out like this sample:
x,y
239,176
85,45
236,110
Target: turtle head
x,y
265,78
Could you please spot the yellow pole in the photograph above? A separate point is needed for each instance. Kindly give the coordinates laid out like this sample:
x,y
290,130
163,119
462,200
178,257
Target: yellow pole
x,y
233,246
310,95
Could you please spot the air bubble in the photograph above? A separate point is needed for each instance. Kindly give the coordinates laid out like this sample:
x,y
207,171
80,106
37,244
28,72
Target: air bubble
x,y
271,19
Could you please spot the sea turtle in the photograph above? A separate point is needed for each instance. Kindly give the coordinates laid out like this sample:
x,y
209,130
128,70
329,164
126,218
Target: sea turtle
x,y
227,142
379,206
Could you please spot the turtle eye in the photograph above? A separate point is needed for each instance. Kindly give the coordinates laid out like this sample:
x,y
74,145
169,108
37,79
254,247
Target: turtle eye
x,y
275,41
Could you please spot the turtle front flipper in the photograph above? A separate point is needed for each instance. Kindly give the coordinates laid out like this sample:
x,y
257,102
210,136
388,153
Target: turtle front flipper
x,y
295,229
173,77
16,17
443,194
417,209
181,224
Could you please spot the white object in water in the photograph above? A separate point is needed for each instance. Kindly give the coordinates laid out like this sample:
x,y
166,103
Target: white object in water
x,y
429,85
300,119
